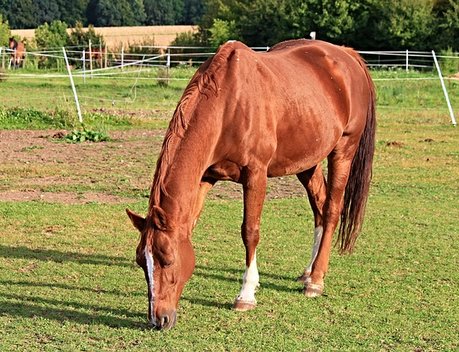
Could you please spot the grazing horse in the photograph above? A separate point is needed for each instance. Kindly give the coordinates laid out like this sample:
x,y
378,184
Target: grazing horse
x,y
18,54
246,116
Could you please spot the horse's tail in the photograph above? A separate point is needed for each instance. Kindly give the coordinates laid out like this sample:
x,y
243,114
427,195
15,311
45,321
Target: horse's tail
x,y
358,184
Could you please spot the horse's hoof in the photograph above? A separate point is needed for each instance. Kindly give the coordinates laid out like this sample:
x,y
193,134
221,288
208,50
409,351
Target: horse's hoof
x,y
313,290
243,306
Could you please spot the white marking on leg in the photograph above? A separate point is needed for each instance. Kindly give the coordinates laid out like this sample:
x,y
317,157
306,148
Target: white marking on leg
x,y
249,282
318,231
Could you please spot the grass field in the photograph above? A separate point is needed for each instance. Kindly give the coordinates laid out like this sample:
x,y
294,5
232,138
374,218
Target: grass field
x,y
68,280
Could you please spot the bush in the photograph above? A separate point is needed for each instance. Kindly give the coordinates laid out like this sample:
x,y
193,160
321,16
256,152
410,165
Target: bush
x,y
222,31
80,37
84,135
5,32
48,36
52,35
450,63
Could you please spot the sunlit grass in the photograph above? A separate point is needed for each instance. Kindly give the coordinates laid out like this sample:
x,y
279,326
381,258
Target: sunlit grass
x,y
68,279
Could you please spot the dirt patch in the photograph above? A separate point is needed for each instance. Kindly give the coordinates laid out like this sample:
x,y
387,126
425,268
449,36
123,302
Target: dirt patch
x,y
38,166
62,197
395,144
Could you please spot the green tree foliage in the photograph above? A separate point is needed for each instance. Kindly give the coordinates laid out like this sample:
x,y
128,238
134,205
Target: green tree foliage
x,y
221,31
368,24
5,32
106,13
193,10
446,14
400,24
52,35
73,11
164,11
21,14
81,37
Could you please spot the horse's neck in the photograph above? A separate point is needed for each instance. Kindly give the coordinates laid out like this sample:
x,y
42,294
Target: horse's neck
x,y
187,164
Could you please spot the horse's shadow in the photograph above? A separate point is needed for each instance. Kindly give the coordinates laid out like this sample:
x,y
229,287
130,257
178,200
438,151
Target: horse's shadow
x,y
27,305
22,252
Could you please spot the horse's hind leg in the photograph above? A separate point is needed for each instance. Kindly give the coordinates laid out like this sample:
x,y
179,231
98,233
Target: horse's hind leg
x,y
314,182
339,165
254,186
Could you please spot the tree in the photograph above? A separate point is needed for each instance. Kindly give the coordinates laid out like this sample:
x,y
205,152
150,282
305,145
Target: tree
x,y
73,11
221,31
193,10
107,13
446,13
22,14
47,11
5,32
81,37
162,12
402,24
52,35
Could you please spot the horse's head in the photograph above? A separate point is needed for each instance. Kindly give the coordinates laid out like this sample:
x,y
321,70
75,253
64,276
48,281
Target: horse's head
x,y
167,258
12,43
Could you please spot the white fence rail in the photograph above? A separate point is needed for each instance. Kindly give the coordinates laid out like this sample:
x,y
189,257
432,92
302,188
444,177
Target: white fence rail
x,y
98,63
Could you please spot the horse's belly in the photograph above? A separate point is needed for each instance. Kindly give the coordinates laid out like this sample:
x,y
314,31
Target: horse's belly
x,y
301,149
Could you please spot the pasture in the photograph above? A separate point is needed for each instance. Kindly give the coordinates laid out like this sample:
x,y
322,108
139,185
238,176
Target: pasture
x,y
68,278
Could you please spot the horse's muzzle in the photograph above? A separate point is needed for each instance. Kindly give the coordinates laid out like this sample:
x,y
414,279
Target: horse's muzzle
x,y
165,322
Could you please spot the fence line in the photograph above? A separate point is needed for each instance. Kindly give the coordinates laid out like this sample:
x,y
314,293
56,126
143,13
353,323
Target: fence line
x,y
405,59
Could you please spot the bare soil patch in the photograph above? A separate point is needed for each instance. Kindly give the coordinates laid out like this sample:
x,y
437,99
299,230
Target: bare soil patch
x,y
37,166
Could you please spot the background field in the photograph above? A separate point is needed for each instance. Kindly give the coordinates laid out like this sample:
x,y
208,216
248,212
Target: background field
x,y
115,37
68,280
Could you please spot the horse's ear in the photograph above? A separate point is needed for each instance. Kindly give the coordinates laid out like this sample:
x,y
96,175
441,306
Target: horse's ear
x,y
137,220
159,218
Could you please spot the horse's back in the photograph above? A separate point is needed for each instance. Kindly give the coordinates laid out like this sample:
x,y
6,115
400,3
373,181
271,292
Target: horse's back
x,y
290,105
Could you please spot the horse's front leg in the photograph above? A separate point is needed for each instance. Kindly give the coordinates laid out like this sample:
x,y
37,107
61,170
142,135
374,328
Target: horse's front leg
x,y
254,186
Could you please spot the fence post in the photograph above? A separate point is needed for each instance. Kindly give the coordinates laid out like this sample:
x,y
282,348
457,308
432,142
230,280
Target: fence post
x,y
90,57
100,55
122,56
1,55
407,56
80,117
168,58
445,92
106,56
83,59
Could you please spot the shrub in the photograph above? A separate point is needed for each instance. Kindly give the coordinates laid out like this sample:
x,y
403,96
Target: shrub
x,y
85,135
222,31
52,35
449,63
5,32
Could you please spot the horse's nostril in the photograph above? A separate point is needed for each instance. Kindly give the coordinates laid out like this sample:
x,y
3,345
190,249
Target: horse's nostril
x,y
164,320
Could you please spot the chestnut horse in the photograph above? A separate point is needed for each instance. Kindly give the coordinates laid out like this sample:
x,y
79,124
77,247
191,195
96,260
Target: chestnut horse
x,y
18,53
246,116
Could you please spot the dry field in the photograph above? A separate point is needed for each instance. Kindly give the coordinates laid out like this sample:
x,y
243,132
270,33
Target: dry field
x,y
117,36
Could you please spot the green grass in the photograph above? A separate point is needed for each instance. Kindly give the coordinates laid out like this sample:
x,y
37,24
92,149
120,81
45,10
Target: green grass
x,y
68,280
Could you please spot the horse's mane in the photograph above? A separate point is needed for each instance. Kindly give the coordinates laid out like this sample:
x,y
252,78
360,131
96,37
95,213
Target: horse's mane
x,y
204,82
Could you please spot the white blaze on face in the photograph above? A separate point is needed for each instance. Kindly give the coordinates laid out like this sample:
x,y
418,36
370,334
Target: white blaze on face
x,y
249,282
150,269
318,231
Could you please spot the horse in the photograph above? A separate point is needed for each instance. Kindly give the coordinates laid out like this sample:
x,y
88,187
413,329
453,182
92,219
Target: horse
x,y
18,54
247,116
